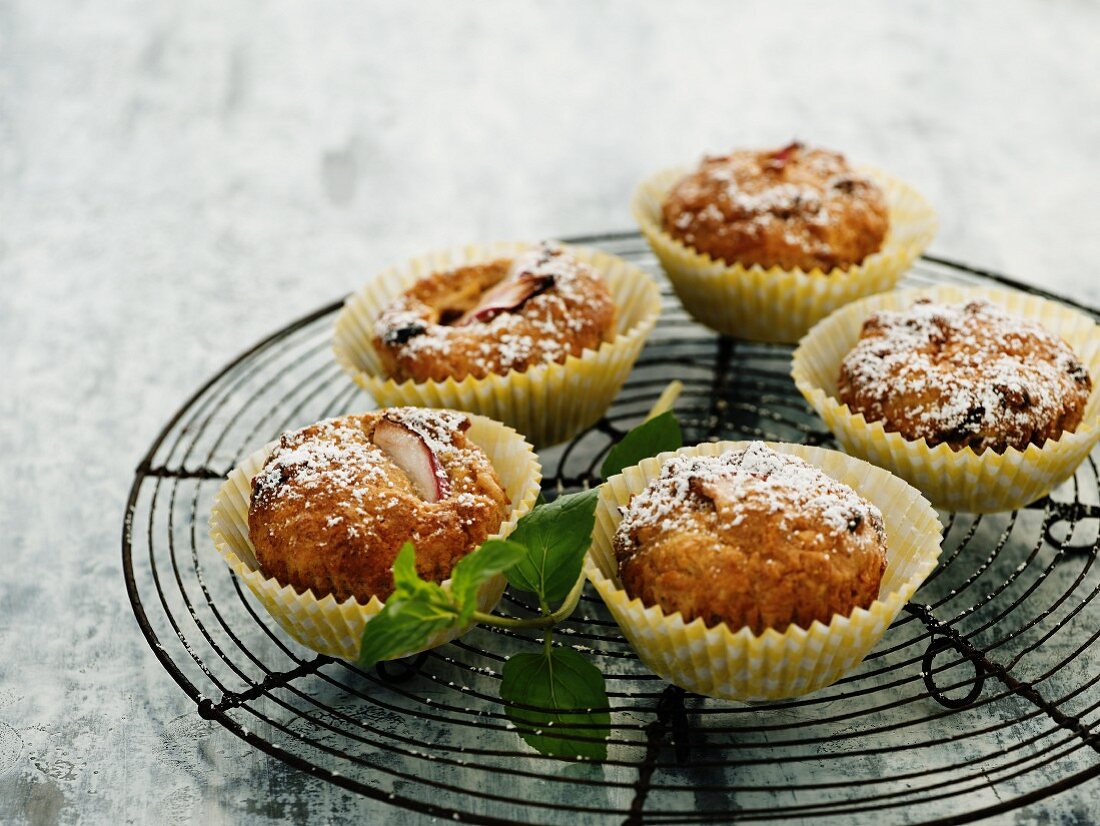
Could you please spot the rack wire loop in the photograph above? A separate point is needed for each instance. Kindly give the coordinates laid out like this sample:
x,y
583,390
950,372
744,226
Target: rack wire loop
x,y
938,646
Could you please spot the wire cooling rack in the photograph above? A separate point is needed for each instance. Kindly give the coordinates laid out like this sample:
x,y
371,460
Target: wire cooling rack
x,y
983,696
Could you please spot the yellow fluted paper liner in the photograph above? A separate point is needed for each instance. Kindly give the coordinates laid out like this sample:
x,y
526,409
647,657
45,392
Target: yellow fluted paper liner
x,y
735,664
335,628
952,479
775,304
548,403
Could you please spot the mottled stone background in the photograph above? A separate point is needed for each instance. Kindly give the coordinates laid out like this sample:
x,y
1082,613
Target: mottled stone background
x,y
178,178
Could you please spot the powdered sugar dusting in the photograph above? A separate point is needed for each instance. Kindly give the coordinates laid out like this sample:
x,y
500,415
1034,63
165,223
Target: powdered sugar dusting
x,y
968,374
436,427
793,207
752,479
335,452
783,197
540,330
338,455
755,193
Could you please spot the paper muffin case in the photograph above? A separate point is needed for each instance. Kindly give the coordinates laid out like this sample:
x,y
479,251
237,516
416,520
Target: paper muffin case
x,y
548,403
774,304
735,664
953,479
336,628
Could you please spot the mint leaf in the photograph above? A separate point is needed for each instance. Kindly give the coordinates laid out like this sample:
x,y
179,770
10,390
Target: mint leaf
x,y
404,626
405,577
564,685
492,558
556,537
413,614
655,436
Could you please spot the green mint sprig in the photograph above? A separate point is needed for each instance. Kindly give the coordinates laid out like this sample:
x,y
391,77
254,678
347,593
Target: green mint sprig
x,y
417,610
556,698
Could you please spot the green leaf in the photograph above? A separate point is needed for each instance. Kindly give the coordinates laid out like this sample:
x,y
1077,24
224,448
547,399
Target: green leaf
x,y
405,577
655,436
564,686
492,558
405,626
556,537
413,614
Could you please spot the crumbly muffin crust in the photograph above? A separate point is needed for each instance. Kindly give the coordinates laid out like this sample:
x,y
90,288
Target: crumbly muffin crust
x,y
966,375
795,207
330,510
752,538
550,306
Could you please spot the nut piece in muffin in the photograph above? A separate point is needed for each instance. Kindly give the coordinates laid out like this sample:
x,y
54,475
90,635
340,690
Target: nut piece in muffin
x,y
509,314
335,501
752,538
965,375
796,208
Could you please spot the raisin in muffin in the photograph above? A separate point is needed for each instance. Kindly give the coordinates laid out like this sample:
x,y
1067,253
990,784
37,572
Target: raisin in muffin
x,y
750,537
508,314
335,501
796,208
965,375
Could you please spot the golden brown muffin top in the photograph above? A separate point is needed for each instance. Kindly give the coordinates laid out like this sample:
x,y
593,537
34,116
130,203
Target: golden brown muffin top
x,y
753,538
335,501
509,314
969,375
730,486
794,207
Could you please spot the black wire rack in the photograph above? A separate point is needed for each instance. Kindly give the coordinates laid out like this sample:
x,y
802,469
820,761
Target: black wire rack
x,y
984,696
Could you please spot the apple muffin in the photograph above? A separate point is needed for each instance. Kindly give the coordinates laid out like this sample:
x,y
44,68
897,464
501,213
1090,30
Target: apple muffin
x,y
540,307
750,537
335,501
795,207
966,375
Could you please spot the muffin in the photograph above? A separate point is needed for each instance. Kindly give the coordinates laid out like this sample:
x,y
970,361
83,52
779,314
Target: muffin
x,y
763,244
715,607
540,338
980,397
336,501
327,508
796,207
542,306
751,538
966,375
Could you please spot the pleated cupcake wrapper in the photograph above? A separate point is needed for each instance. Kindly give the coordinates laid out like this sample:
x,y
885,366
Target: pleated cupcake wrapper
x,y
336,628
775,304
961,480
735,664
548,403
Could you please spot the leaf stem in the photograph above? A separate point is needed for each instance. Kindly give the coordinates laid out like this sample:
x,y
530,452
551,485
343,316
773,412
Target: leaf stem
x,y
563,612
665,401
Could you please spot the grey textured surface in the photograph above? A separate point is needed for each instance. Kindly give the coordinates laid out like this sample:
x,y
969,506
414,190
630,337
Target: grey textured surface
x,y
178,178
